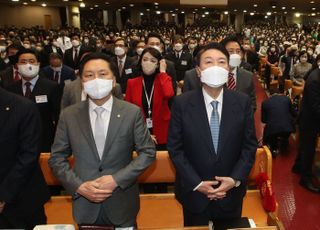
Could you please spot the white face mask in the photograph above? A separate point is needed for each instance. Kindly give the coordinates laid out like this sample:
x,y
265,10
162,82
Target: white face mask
x,y
192,46
75,43
98,88
214,76
148,67
139,51
119,51
178,47
28,70
55,44
27,46
2,48
157,48
235,60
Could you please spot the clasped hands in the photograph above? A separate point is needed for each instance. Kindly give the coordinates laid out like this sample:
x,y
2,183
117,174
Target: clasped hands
x,y
99,189
226,183
2,204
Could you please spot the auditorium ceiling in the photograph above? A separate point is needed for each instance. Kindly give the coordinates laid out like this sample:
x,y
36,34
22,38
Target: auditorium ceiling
x,y
257,6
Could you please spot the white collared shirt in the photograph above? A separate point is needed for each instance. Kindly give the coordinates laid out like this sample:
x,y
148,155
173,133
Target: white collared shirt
x,y
234,71
208,99
105,115
33,82
122,59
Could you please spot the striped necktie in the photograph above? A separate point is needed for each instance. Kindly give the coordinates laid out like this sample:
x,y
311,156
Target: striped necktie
x,y
231,82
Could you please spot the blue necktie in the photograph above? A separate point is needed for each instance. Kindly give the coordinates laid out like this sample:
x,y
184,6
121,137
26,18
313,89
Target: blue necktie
x,y
214,125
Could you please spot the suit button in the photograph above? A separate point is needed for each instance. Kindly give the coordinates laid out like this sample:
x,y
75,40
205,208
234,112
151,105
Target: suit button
x,y
100,169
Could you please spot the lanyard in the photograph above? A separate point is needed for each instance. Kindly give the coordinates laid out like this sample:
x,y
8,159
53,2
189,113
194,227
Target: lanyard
x,y
149,99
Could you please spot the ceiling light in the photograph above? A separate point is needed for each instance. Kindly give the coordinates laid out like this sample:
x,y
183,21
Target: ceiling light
x,y
15,0
313,14
283,8
173,15
244,11
235,10
43,5
203,7
147,9
195,9
251,13
269,13
266,16
226,12
156,3
273,7
91,8
82,5
203,15
66,0
255,5
124,8
131,5
141,14
33,0
297,15
182,12
206,13
293,8
285,12
25,3
96,5
312,2
313,8
107,3
158,12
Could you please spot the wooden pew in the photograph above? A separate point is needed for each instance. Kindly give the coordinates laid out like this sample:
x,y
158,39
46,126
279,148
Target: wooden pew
x,y
163,210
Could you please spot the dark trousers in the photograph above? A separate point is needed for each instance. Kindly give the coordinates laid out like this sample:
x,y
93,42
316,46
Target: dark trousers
x,y
277,141
103,220
306,151
212,212
18,220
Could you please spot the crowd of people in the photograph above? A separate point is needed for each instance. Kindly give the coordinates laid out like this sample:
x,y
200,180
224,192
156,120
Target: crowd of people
x,y
85,82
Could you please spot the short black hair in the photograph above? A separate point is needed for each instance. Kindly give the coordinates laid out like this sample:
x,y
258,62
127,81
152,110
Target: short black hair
x,y
55,56
27,51
154,35
14,46
213,45
121,39
229,39
96,56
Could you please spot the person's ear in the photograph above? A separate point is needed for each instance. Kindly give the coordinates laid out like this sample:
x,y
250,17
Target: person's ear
x,y
198,71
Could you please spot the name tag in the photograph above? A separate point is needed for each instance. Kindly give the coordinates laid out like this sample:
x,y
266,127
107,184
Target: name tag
x,y
149,123
184,63
128,71
41,99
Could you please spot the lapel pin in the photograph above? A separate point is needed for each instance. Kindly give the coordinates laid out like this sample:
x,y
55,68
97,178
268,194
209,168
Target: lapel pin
x,y
118,116
7,108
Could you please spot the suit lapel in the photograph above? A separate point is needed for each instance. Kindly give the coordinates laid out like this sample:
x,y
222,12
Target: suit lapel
x,y
227,113
116,117
238,82
199,114
5,109
77,91
85,126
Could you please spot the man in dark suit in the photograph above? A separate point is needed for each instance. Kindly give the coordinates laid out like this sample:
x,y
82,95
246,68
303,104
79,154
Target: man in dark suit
x,y
182,59
191,80
278,115
212,149
57,71
124,64
154,40
23,190
309,129
52,47
106,130
11,73
44,92
239,79
72,56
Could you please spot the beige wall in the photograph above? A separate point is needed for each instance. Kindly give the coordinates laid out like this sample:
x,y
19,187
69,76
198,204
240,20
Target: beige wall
x,y
28,16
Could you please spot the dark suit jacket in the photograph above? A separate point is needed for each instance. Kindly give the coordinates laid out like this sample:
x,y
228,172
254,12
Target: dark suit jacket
x,y
277,113
22,185
245,83
49,110
68,58
6,77
128,71
47,50
309,117
67,74
191,149
181,64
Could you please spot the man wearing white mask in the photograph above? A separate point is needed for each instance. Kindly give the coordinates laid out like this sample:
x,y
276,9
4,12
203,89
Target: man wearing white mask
x,y
212,143
42,91
182,59
72,56
239,79
124,64
105,131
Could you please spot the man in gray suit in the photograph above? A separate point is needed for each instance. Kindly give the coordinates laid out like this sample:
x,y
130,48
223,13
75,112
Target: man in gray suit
x,y
101,133
73,93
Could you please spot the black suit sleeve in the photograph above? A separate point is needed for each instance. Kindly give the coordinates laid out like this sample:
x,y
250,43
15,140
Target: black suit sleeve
x,y
243,167
313,92
263,113
171,71
176,151
27,158
55,100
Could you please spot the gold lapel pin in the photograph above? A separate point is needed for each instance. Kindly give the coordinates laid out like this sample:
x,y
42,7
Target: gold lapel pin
x,y
118,116
7,108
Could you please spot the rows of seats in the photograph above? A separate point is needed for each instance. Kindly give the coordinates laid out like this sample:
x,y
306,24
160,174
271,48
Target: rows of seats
x,y
163,211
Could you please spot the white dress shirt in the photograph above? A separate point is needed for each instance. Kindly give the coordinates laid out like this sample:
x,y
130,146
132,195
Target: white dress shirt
x,y
33,82
105,115
208,99
123,60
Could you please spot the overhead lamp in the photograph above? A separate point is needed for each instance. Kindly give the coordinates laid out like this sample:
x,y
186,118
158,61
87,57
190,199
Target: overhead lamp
x,y
251,13
82,5
244,11
255,5
283,8
43,4
297,15
226,12
269,13
158,12
25,3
